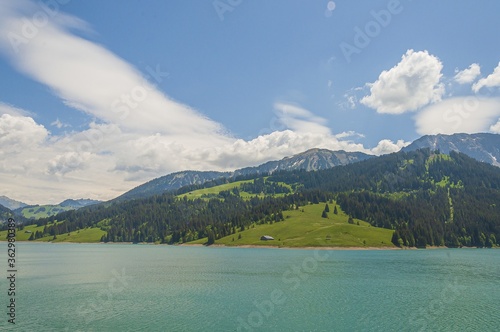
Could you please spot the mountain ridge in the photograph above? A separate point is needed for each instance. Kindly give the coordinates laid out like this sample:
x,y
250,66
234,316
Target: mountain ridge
x,y
310,160
10,203
483,147
423,196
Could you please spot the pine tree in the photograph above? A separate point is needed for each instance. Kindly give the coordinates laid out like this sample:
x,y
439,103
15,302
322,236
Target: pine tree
x,y
211,238
324,214
327,208
335,210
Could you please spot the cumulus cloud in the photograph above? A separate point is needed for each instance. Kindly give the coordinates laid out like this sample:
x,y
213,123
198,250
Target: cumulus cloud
x,y
387,146
468,75
492,80
458,115
495,128
349,133
18,131
103,161
414,82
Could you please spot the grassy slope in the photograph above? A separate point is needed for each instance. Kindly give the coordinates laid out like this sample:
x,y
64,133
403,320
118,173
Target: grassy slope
x,y
228,186
88,235
213,190
50,210
308,229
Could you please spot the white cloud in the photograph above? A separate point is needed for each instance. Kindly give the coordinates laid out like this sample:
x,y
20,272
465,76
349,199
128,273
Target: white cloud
x,y
300,120
11,110
349,133
414,82
90,78
458,115
16,132
58,124
492,80
495,128
387,146
468,75
104,161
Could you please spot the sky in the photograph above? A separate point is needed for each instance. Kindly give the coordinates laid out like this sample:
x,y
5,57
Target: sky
x,y
97,97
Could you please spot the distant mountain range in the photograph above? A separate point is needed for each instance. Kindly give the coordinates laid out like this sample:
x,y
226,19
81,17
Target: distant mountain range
x,y
10,203
310,160
78,203
5,214
423,197
11,208
482,147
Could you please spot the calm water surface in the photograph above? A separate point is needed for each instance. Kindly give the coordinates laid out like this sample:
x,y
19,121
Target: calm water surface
x,y
95,287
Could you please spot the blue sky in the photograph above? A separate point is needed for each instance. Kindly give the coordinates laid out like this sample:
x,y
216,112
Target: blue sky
x,y
98,97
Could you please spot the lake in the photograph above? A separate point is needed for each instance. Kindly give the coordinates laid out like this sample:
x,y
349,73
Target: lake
x,y
98,287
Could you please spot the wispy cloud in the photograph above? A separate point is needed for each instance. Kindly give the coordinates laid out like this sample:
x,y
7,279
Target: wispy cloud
x,y
458,115
300,120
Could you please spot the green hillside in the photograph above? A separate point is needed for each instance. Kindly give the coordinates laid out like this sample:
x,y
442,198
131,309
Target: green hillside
x,y
212,191
245,189
43,211
87,235
306,228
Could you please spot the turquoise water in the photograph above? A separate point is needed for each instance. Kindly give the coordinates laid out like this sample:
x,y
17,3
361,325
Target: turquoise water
x,y
95,287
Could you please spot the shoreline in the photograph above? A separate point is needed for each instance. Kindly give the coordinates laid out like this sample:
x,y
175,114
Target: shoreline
x,y
255,246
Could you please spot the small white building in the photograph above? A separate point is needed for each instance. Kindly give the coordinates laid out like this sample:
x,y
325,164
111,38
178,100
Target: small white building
x,y
266,238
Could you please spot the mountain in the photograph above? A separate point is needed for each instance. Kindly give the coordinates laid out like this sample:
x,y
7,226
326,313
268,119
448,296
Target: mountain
x,y
310,160
423,197
483,147
43,211
78,203
10,203
5,214
171,182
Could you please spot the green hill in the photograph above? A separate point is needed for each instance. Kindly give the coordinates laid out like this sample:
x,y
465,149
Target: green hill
x,y
87,235
42,211
306,228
